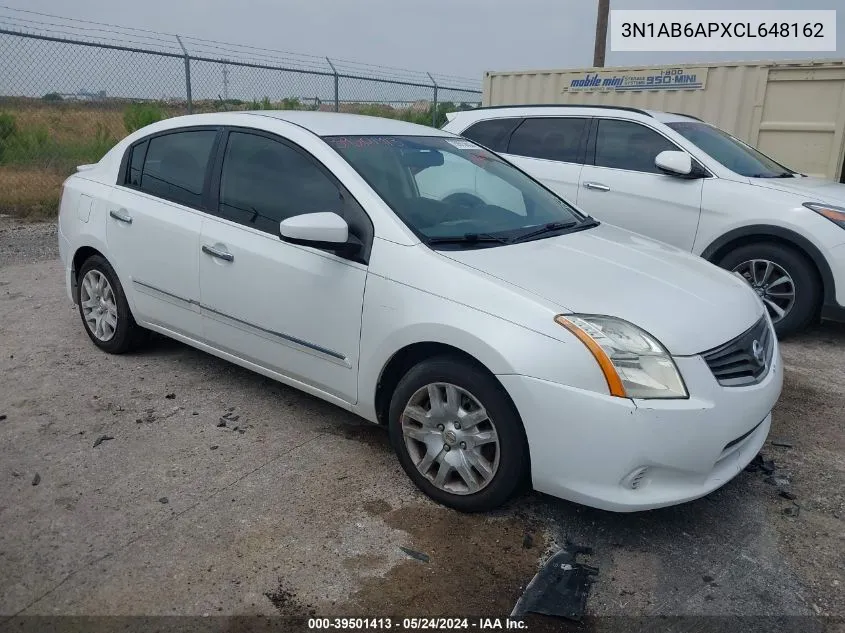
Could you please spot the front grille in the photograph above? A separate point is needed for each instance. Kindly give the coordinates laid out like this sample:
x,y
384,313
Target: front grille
x,y
745,360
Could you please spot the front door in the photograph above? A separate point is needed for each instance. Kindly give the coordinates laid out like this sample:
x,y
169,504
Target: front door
x,y
621,185
291,309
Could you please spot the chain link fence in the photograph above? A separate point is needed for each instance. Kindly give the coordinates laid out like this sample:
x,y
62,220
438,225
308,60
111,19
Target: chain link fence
x,y
69,90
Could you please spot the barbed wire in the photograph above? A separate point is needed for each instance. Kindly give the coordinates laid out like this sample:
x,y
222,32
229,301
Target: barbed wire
x,y
225,52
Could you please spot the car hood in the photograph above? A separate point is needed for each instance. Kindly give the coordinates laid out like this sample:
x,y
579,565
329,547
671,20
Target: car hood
x,y
689,304
812,189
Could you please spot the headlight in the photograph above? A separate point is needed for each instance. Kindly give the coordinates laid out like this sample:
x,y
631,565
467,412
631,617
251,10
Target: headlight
x,y
832,213
634,363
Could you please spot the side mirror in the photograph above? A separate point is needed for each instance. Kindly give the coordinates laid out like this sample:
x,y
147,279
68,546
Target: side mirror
x,y
675,163
321,230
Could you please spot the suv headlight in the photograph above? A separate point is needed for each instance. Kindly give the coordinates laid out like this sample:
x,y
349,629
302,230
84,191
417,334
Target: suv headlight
x,y
833,213
633,362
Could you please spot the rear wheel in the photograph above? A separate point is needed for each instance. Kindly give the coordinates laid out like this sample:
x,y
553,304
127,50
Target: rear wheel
x,y
783,279
104,310
457,435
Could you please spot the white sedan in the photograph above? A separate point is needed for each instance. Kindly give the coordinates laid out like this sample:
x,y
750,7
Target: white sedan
x,y
501,335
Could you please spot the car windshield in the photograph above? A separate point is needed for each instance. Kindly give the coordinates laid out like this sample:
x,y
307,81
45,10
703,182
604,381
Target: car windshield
x,y
729,151
454,193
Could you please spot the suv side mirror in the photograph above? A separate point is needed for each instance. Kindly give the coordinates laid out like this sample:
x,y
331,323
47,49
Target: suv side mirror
x,y
320,230
676,163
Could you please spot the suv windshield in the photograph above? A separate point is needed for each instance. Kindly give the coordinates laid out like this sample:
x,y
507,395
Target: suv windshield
x,y
729,151
454,193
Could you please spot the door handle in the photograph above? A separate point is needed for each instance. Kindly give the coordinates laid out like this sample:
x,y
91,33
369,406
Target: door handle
x,y
121,215
596,186
226,256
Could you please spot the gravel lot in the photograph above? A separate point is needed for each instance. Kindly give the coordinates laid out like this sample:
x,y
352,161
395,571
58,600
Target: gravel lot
x,y
297,507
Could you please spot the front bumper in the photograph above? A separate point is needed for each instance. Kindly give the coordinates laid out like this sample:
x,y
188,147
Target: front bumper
x,y
589,448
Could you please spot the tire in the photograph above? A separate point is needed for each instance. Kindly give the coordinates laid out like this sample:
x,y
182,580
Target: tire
x,y
804,279
505,461
124,335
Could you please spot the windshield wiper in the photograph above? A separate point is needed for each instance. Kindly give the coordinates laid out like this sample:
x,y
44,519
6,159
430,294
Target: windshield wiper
x,y
551,227
783,174
468,238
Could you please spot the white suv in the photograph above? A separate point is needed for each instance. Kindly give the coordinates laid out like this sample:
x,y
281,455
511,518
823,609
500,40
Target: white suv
x,y
677,179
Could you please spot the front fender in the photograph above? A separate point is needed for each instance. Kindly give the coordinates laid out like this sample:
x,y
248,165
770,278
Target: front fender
x,y
396,316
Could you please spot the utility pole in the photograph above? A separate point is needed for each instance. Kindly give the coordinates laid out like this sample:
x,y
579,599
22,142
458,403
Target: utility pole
x,y
601,33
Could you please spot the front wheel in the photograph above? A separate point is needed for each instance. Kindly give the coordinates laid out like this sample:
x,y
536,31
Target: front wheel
x,y
783,278
457,435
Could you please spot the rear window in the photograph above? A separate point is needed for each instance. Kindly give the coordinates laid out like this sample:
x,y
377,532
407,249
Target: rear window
x,y
492,134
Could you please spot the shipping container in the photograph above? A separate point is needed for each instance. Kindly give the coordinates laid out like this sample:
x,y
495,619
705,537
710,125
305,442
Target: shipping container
x,y
794,111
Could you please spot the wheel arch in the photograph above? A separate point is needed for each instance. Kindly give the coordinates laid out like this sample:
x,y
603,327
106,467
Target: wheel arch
x,y
80,256
412,354
761,232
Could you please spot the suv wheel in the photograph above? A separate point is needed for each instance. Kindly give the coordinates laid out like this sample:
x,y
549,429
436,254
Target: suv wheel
x,y
457,435
783,279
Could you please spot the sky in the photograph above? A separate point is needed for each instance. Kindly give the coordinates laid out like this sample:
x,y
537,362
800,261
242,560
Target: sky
x,y
455,37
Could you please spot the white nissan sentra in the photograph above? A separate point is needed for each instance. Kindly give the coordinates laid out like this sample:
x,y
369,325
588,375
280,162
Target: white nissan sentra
x,y
501,335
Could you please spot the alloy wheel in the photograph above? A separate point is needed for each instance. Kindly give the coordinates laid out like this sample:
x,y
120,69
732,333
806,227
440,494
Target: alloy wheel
x,y
772,284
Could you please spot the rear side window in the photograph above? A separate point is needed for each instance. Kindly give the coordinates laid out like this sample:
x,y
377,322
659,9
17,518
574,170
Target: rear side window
x,y
136,164
174,165
628,145
264,182
492,133
550,139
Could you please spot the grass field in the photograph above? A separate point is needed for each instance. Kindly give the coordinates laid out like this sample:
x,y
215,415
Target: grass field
x,y
42,142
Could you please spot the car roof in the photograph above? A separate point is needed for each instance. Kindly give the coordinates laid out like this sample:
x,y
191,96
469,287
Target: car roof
x,y
569,109
320,123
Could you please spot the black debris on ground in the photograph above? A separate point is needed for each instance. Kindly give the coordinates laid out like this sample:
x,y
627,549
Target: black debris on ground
x,y
759,463
221,423
163,500
707,578
213,448
781,443
415,554
36,480
560,588
788,495
170,396
2,416
101,439
528,540
793,510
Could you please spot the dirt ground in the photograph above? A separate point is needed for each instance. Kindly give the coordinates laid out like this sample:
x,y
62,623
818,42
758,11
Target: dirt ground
x,y
295,507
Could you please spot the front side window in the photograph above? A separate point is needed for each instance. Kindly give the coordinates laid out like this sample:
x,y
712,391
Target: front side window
x,y
729,151
550,139
492,133
175,166
452,189
264,182
630,146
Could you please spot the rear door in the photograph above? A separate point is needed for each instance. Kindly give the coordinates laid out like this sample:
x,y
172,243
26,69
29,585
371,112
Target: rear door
x,y
292,309
552,150
154,225
620,184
